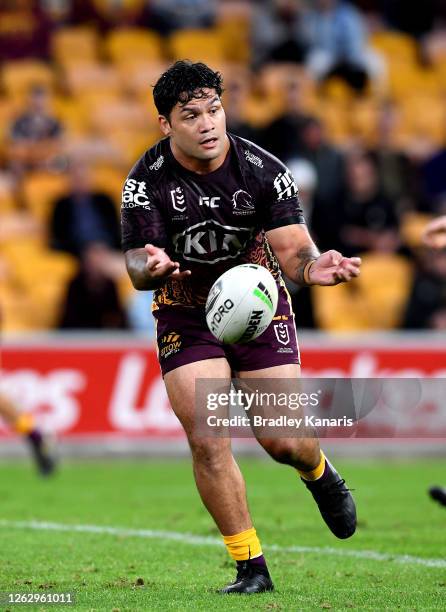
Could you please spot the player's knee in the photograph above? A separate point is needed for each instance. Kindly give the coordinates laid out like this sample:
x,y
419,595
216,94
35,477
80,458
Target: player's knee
x,y
210,455
298,452
283,451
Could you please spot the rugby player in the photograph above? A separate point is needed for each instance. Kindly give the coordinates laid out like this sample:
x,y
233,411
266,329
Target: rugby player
x,y
23,424
196,204
435,237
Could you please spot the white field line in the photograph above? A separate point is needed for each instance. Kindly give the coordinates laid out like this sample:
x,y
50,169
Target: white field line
x,y
195,540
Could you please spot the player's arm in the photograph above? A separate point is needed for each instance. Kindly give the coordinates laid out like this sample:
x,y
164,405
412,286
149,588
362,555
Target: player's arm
x,y
301,261
435,233
144,234
150,267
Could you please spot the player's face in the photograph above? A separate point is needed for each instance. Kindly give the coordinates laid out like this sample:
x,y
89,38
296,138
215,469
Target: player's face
x,y
198,128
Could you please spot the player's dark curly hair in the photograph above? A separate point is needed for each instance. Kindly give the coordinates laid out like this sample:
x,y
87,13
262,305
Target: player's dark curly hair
x,y
183,81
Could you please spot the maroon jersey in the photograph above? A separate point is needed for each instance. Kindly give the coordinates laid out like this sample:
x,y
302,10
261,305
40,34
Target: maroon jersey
x,y
209,223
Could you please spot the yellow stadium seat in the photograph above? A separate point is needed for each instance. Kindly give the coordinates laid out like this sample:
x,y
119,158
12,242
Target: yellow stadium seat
x,y
405,80
337,90
74,45
109,180
131,115
425,116
335,117
19,76
72,114
8,111
412,228
395,45
16,307
138,76
376,300
40,190
18,227
39,279
335,309
132,145
384,285
234,32
92,77
363,118
134,44
198,45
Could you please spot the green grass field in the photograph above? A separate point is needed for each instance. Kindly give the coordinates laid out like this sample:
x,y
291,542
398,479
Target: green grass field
x,y
395,518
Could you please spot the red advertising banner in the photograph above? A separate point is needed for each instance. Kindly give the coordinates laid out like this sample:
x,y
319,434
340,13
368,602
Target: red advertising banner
x,y
93,388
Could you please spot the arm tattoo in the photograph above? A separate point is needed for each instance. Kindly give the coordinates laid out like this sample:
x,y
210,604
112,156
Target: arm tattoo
x,y
305,255
137,270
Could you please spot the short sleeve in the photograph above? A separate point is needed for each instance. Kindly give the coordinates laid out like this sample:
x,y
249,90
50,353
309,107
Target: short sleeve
x,y
141,219
281,199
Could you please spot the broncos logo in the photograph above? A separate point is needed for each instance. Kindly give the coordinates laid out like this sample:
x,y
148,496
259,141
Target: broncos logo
x,y
242,201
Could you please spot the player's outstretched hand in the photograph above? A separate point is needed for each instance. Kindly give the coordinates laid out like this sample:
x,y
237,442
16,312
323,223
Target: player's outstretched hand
x,y
332,268
160,266
434,234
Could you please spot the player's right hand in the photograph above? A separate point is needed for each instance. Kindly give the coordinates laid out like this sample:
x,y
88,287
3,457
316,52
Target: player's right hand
x,y
160,266
435,233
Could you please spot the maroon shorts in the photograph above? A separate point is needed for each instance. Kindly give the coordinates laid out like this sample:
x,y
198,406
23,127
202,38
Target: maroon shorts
x,y
184,337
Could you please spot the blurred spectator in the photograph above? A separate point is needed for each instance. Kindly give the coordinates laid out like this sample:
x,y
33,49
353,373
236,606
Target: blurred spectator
x,y
305,176
58,11
83,216
368,219
328,163
399,177
408,16
92,300
235,96
427,303
24,30
335,35
170,15
433,173
283,137
275,32
326,159
36,135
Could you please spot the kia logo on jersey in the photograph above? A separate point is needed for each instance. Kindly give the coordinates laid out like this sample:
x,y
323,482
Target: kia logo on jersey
x,y
210,241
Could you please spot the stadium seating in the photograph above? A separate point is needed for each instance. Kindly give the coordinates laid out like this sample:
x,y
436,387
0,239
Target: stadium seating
x,y
32,295
395,46
19,76
198,45
40,190
101,86
130,44
92,78
109,180
412,228
74,45
139,75
375,300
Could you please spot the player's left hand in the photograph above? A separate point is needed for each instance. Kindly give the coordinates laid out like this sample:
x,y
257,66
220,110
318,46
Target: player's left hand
x,y
332,268
435,233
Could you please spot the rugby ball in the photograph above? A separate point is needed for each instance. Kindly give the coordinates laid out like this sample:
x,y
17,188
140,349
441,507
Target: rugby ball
x,y
241,304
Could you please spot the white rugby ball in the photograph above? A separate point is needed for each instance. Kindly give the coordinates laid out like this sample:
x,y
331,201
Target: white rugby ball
x,y
241,304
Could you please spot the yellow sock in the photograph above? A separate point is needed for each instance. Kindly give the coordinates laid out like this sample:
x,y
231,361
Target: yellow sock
x,y
317,472
243,546
24,424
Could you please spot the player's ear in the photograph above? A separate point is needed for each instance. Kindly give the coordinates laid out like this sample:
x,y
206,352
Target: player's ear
x,y
165,126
